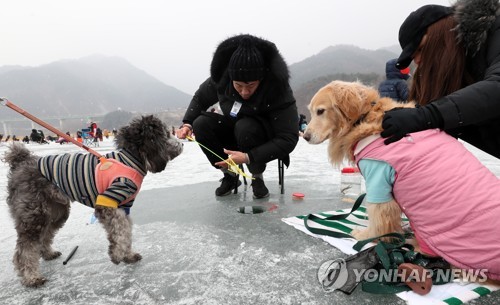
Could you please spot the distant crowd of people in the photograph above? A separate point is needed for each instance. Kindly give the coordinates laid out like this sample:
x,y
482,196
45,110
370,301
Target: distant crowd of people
x,y
92,132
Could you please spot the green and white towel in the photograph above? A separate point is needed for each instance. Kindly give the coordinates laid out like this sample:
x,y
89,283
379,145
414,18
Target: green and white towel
x,y
451,293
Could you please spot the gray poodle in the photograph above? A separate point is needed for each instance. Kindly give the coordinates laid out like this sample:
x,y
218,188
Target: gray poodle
x,y
40,190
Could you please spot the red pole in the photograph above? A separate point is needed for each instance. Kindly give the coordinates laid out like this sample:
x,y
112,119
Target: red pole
x,y
4,101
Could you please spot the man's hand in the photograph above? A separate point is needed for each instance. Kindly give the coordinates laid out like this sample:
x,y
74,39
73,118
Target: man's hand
x,y
237,156
183,131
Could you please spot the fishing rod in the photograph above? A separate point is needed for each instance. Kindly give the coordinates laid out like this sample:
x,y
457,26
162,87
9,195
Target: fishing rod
x,y
5,102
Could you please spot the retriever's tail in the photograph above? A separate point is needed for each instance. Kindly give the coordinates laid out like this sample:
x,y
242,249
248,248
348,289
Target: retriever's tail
x,y
17,154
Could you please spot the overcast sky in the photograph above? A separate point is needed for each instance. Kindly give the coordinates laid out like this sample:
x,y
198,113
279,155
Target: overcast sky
x,y
174,40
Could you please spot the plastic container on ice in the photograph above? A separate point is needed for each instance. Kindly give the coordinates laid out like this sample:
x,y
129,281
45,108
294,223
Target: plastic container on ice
x,y
351,183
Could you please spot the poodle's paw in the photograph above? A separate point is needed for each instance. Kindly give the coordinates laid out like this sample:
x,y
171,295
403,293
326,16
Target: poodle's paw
x,y
116,259
36,281
116,254
48,256
132,258
360,234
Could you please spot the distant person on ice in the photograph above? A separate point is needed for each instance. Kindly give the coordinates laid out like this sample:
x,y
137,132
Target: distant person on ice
x,y
302,123
395,86
258,123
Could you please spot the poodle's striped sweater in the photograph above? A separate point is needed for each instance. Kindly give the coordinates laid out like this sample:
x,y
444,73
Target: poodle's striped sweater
x,y
74,174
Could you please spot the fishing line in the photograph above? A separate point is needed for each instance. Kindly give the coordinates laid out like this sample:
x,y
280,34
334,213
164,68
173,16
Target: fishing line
x,y
232,166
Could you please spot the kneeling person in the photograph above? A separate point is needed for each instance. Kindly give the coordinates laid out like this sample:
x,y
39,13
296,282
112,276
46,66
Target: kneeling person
x,y
258,124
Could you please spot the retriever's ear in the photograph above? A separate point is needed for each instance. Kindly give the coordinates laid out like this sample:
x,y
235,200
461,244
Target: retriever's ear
x,y
348,98
369,95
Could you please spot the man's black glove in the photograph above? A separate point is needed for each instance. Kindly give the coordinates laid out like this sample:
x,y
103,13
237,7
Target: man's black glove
x,y
399,122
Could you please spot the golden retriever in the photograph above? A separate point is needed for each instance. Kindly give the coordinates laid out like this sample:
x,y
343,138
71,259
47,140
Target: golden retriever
x,y
450,198
345,113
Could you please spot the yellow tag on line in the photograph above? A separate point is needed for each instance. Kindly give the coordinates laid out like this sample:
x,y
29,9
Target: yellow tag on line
x,y
232,166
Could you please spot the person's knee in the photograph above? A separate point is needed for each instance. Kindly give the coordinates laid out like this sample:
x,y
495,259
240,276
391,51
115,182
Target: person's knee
x,y
256,168
249,133
201,123
247,126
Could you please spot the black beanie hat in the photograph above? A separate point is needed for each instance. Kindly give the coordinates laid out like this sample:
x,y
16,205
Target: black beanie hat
x,y
246,63
414,28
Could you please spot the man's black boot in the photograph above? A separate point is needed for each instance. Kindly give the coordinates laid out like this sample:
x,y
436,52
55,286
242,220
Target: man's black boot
x,y
259,188
229,183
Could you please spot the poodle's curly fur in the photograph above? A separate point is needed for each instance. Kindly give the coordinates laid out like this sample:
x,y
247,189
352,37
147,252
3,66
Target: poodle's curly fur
x,y
39,208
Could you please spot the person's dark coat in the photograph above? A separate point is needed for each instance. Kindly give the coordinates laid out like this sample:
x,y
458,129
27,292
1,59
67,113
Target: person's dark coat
x,y
273,104
394,86
473,113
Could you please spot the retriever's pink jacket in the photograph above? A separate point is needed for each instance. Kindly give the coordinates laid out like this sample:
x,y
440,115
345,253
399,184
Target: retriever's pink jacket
x,y
450,198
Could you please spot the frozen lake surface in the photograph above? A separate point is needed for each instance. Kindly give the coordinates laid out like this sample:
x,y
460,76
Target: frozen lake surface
x,y
196,248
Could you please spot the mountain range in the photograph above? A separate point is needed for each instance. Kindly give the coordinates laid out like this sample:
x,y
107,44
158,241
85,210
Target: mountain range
x,y
98,84
91,85
340,59
341,62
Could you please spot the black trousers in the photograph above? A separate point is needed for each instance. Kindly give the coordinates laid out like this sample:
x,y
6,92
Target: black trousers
x,y
217,132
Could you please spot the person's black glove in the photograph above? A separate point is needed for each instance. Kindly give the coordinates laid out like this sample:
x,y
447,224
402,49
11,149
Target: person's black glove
x,y
399,122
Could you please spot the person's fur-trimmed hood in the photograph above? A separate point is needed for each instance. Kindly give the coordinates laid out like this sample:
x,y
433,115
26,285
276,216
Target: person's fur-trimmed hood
x,y
475,18
276,67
